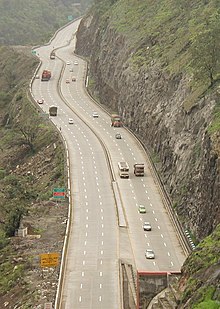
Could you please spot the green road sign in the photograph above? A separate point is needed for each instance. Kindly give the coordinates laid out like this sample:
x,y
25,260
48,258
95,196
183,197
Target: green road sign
x,y
33,52
70,17
59,193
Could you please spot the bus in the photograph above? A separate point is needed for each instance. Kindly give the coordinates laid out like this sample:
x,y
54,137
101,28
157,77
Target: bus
x,y
123,169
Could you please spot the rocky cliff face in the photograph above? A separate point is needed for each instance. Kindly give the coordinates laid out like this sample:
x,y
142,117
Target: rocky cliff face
x,y
152,104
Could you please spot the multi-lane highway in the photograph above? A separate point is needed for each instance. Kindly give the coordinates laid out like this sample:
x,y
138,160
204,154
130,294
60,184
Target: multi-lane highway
x,y
96,242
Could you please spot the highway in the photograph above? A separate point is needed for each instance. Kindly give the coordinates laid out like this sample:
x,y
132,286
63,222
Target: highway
x,y
96,243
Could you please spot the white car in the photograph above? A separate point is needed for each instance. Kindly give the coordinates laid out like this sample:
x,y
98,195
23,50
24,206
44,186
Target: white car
x,y
149,254
73,78
71,121
75,62
147,226
37,76
95,115
68,62
71,69
40,101
67,81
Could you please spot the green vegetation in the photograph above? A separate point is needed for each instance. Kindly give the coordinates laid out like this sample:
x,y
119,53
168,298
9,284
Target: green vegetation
x,y
204,260
30,165
206,301
9,276
215,126
182,36
30,22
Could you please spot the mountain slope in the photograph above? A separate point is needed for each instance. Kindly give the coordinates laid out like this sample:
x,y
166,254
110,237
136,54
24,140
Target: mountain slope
x,y
29,22
31,165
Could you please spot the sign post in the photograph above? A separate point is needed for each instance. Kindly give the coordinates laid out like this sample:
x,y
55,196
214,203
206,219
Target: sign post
x,y
59,193
49,259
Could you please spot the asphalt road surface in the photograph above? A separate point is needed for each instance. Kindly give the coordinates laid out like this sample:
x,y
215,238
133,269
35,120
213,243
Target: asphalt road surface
x,y
96,242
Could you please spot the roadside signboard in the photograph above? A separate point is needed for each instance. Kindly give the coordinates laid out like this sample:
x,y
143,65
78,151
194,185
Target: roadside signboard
x,y
59,192
33,52
70,17
49,259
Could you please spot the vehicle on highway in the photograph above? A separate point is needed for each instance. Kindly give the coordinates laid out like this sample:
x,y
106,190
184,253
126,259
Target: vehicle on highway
x,y
53,110
67,81
142,209
116,120
147,226
46,75
149,254
52,55
71,69
139,169
40,101
75,62
95,115
123,169
68,62
37,76
73,78
118,136
71,121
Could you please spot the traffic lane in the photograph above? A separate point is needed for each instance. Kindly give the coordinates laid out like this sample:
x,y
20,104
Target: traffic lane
x,y
92,224
62,38
130,149
48,89
160,218
97,123
166,242
144,190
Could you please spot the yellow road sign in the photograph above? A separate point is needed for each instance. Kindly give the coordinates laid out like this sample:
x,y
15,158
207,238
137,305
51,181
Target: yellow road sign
x,y
49,259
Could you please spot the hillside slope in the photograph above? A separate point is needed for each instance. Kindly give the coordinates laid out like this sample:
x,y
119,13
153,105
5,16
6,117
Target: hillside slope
x,y
31,165
30,22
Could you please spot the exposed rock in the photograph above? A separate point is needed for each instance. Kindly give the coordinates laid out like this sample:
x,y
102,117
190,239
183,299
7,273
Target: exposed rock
x,y
152,103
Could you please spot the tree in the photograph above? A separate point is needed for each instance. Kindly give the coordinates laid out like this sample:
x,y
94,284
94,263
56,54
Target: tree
x,y
205,51
29,132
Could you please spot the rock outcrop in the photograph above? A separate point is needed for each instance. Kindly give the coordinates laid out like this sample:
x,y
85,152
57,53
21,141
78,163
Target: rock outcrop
x,y
152,103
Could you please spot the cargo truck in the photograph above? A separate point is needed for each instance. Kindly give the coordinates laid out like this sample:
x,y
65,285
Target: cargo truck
x,y
116,120
139,169
46,75
123,169
53,110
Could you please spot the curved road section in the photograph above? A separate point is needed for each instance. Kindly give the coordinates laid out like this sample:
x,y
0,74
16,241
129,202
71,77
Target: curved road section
x,y
97,244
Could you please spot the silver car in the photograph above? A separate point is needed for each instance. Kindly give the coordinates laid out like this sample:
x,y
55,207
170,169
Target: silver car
x,y
118,136
95,115
149,254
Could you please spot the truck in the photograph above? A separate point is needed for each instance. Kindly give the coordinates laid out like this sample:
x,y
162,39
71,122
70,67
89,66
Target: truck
x,y
123,169
52,55
116,120
46,75
139,169
53,110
